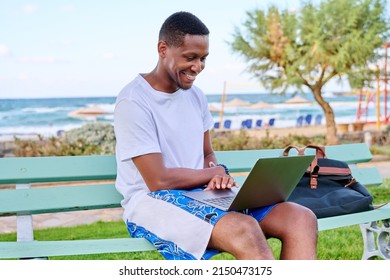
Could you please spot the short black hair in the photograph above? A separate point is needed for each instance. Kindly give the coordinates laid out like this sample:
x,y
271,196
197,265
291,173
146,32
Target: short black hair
x,y
179,24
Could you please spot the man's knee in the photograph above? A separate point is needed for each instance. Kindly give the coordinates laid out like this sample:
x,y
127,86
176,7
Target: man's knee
x,y
305,216
239,227
240,223
289,219
302,221
241,236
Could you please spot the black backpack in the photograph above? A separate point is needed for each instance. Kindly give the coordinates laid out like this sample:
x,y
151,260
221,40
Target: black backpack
x,y
328,187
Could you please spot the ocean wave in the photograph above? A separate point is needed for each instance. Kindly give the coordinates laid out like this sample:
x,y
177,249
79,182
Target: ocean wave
x,y
107,107
46,131
48,116
44,110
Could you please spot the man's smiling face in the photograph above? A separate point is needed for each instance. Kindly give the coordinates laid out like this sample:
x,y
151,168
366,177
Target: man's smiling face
x,y
185,62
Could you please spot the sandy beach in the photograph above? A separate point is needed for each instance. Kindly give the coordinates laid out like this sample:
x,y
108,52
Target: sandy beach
x,y
285,131
7,144
311,130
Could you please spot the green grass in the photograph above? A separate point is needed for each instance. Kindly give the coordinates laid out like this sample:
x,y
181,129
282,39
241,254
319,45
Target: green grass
x,y
339,244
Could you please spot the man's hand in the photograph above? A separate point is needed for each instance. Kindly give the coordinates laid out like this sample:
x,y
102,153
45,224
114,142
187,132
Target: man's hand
x,y
220,181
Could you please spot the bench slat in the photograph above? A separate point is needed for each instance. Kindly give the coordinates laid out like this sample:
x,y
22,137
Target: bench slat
x,y
354,219
59,199
242,161
367,176
72,198
350,153
56,169
82,247
102,167
35,249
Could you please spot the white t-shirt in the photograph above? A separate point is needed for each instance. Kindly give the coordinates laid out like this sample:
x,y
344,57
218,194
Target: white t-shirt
x,y
149,121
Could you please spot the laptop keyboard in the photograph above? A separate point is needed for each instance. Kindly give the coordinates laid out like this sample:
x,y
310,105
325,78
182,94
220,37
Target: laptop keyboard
x,y
221,201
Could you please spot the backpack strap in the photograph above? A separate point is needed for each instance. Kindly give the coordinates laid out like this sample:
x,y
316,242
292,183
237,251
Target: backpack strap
x,y
320,150
288,148
314,167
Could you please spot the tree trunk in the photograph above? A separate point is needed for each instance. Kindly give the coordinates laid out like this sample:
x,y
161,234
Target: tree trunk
x,y
331,129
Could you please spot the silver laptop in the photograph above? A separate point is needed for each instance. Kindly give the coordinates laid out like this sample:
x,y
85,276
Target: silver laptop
x,y
270,180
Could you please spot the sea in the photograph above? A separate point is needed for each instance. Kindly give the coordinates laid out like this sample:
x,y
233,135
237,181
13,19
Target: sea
x,y
51,116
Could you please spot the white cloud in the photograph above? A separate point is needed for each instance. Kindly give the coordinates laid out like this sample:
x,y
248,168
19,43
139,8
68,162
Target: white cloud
x,y
108,55
4,51
23,77
68,7
41,59
18,77
29,8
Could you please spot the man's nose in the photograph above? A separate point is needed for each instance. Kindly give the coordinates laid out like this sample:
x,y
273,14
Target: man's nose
x,y
198,66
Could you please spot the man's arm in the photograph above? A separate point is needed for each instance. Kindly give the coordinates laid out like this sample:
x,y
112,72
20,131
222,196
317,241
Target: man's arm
x,y
208,151
158,177
210,161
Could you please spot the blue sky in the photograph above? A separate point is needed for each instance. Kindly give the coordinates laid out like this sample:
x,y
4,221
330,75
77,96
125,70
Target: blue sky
x,y
93,48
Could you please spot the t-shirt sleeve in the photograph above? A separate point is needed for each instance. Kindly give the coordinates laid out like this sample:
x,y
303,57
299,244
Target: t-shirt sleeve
x,y
135,130
208,122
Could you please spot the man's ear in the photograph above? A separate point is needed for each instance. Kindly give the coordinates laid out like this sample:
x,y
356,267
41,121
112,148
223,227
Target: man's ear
x,y
162,47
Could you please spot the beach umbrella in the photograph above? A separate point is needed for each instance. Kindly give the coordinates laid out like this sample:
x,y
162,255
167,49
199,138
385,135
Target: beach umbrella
x,y
237,102
214,109
87,112
261,105
297,100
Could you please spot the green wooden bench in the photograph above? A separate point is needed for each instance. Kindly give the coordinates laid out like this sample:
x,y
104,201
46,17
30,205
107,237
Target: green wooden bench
x,y
20,196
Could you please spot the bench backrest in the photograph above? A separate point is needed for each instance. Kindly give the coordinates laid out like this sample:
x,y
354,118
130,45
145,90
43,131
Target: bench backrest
x,y
96,196
80,168
243,160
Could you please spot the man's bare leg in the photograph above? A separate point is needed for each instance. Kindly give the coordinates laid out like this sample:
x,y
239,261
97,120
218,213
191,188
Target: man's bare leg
x,y
241,236
296,227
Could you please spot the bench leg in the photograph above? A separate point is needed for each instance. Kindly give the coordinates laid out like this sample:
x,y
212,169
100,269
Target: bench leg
x,y
24,224
376,240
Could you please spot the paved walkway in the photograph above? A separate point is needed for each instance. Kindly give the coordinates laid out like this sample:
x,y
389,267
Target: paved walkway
x,y
382,163
8,224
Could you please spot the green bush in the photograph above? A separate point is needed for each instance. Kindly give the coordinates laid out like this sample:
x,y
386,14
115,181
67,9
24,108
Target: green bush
x,y
380,150
96,134
90,139
98,138
230,140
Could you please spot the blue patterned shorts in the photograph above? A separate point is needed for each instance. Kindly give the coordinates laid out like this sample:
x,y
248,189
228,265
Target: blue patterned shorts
x,y
168,249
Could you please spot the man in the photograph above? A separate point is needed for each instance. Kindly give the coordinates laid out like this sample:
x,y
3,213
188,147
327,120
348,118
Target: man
x,y
163,148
